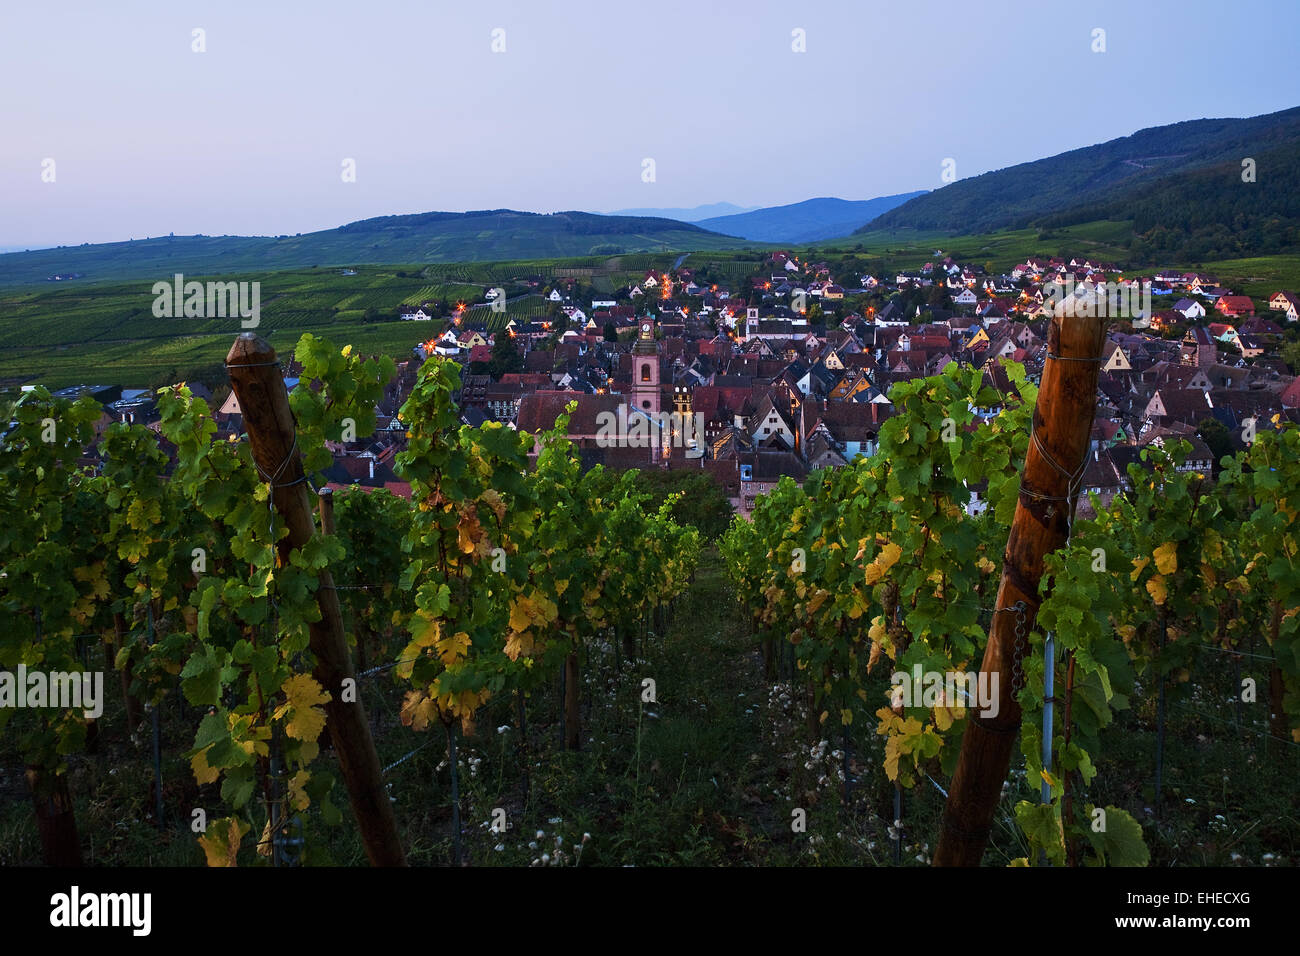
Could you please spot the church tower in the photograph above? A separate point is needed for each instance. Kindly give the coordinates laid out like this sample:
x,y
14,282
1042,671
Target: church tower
x,y
645,370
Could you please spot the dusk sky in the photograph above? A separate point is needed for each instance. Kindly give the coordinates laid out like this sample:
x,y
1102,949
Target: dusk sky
x,y
249,137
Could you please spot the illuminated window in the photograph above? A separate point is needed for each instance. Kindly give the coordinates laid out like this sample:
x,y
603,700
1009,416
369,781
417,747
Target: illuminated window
x,y
645,373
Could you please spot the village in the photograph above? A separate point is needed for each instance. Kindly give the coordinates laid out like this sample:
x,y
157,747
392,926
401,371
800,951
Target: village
x,y
790,369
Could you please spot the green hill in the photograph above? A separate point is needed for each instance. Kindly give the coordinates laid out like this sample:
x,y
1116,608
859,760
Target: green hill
x,y
1149,177
1208,213
486,235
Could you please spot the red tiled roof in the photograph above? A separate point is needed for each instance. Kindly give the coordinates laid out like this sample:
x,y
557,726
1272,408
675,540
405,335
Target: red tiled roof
x,y
1236,303
539,410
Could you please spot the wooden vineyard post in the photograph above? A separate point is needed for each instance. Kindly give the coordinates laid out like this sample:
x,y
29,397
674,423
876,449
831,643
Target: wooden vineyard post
x,y
264,404
1062,423
326,497
55,820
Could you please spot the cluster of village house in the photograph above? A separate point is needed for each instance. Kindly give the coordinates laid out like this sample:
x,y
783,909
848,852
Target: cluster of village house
x,y
773,396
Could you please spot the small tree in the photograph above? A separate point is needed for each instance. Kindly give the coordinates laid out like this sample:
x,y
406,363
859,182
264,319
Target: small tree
x,y
1215,434
1291,355
505,357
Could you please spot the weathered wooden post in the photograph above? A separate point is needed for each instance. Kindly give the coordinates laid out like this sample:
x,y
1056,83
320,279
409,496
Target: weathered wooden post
x,y
56,821
264,404
326,496
1062,423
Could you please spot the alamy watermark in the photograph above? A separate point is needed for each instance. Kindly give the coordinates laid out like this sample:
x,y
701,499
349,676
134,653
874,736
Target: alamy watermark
x,y
1115,300
74,908
969,689
215,300
64,690
631,428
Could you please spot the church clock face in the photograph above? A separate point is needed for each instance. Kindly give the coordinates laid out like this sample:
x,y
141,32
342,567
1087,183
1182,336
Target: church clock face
x,y
646,328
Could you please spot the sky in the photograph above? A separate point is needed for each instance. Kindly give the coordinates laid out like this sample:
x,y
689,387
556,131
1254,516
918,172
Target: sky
x,y
147,136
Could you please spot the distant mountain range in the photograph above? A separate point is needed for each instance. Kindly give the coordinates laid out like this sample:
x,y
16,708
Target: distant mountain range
x,y
1181,185
487,235
694,214
807,221
1187,189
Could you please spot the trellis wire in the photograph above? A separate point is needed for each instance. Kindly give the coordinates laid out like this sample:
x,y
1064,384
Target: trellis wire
x,y
1228,723
405,757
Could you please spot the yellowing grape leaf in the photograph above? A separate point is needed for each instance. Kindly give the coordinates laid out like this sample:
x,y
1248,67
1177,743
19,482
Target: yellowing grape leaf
x,y
454,648
425,631
1167,558
221,842
492,498
535,610
264,846
888,721
418,709
883,561
518,645
1138,565
874,657
1156,588
298,798
304,698
522,611
942,718
892,754
469,531
95,577
202,772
